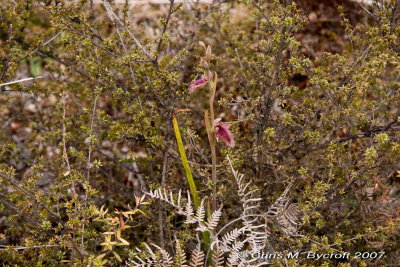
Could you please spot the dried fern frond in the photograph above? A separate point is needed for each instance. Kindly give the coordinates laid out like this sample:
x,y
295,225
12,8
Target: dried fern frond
x,y
200,212
234,258
211,223
213,220
280,204
163,259
166,257
197,259
257,233
160,258
286,217
180,257
162,194
189,211
230,237
218,257
186,210
252,236
288,220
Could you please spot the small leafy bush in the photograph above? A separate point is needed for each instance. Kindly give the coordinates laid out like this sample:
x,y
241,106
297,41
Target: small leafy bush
x,y
192,134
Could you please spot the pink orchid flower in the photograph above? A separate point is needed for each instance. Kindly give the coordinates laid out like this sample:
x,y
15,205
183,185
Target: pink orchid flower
x,y
196,84
223,133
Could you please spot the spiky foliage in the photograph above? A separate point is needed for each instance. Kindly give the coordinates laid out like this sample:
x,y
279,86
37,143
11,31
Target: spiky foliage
x,y
287,216
180,257
160,258
250,237
87,93
197,259
257,233
217,257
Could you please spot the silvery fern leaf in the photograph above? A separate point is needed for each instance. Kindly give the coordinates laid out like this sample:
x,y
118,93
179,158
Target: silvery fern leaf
x,y
197,259
180,257
148,259
166,259
162,194
189,212
200,212
218,257
280,204
212,221
230,237
234,255
255,236
288,220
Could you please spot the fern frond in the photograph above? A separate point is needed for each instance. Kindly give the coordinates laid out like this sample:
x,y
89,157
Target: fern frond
x,y
233,258
286,217
162,194
255,237
180,257
200,212
280,204
218,257
189,212
141,263
212,221
231,236
292,214
288,220
197,259
166,259
144,261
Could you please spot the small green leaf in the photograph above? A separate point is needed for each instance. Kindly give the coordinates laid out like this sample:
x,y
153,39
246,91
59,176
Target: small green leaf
x,y
35,66
117,256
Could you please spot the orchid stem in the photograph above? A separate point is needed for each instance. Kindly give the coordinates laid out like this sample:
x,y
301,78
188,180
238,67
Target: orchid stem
x,y
211,137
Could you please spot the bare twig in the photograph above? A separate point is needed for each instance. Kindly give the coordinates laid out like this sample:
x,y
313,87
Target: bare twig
x,y
30,195
40,46
170,12
365,9
30,219
65,149
88,164
394,16
14,209
89,158
20,81
244,77
353,68
164,178
114,18
126,54
90,137
261,10
5,248
368,133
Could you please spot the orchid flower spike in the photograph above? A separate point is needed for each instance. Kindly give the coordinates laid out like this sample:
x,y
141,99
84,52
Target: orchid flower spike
x,y
196,84
207,50
223,133
204,61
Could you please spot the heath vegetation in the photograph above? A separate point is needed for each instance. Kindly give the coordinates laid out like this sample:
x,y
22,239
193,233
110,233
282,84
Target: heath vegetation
x,y
190,134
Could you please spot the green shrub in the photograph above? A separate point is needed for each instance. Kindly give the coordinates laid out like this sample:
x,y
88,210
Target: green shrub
x,y
88,147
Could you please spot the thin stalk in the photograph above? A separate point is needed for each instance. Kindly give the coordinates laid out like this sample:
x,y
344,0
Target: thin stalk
x,y
211,138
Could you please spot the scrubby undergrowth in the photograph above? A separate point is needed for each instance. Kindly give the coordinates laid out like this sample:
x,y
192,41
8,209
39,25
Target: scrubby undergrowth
x,y
166,135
